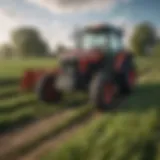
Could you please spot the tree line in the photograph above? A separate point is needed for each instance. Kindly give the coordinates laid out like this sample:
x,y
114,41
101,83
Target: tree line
x,y
28,42
25,42
145,39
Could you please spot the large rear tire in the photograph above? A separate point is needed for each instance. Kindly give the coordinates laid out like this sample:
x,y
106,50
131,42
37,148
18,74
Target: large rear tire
x,y
103,92
46,90
128,76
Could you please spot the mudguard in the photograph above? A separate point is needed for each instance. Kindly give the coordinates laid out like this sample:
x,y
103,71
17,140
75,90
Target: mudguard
x,y
31,77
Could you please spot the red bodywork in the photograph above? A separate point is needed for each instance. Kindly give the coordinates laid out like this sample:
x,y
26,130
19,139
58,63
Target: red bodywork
x,y
32,76
119,60
85,58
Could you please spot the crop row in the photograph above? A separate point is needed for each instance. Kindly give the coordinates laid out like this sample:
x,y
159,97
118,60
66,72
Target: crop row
x,y
23,108
7,92
8,121
15,103
74,115
9,81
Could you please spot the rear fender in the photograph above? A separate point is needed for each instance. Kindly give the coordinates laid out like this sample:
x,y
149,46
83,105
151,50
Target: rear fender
x,y
31,77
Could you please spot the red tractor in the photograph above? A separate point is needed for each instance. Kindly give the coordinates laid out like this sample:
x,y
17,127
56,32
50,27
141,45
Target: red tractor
x,y
100,66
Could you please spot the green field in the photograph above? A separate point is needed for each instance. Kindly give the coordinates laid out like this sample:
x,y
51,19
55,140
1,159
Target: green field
x,y
16,107
130,133
14,68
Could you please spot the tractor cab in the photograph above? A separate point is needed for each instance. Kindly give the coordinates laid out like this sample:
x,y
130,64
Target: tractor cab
x,y
103,37
96,47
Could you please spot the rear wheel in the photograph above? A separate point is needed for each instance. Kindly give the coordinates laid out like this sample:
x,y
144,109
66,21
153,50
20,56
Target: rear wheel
x,y
46,90
103,92
128,77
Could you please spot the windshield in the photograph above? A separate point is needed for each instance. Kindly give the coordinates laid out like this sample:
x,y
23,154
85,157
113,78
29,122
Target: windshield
x,y
92,40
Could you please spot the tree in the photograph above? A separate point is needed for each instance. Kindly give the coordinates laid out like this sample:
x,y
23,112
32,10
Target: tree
x,y
143,38
28,42
60,49
6,50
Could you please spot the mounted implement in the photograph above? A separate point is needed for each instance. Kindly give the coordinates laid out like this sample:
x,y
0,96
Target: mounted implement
x,y
99,65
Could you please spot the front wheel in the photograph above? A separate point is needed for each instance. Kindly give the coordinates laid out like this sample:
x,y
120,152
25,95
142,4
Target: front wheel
x,y
103,92
46,90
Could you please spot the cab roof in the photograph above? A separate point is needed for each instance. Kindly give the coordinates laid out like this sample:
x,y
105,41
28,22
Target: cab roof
x,y
103,28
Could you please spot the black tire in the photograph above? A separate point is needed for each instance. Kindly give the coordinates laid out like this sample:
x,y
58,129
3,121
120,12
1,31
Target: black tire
x,y
46,90
97,93
128,68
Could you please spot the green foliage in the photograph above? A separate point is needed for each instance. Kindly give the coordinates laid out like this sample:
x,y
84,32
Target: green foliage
x,y
28,42
143,38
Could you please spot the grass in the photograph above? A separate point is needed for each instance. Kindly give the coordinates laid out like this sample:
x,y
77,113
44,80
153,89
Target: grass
x,y
17,101
8,89
15,68
114,137
7,121
23,108
132,132
73,117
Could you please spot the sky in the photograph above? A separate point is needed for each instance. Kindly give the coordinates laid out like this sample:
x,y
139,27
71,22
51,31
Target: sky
x,y
56,19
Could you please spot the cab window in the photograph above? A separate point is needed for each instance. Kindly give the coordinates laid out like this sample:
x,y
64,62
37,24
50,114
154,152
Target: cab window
x,y
115,43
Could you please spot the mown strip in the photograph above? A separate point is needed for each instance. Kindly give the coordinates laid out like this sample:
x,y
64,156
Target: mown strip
x,y
80,115
41,110
7,92
14,104
6,89
16,118
9,81
38,112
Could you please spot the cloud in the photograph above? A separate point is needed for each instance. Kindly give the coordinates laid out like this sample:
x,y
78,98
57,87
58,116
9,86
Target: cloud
x,y
127,26
70,6
56,32
8,22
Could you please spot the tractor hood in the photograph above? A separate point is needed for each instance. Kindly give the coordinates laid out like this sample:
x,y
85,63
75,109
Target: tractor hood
x,y
82,54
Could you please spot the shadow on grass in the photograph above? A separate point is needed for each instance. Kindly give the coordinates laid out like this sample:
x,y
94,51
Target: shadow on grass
x,y
144,97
